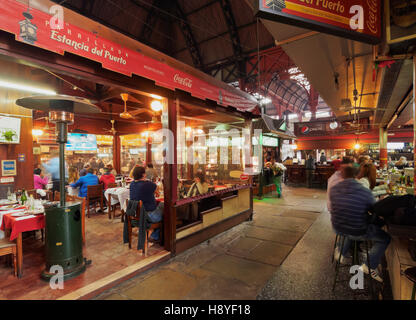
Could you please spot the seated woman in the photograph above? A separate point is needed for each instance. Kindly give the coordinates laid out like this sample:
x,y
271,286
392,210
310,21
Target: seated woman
x,y
367,176
143,190
73,177
40,182
199,186
88,180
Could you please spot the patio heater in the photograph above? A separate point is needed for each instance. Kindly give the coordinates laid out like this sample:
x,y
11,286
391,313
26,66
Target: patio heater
x,y
63,244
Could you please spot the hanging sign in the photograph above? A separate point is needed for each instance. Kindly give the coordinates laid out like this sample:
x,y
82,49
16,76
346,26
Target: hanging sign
x,y
34,27
358,20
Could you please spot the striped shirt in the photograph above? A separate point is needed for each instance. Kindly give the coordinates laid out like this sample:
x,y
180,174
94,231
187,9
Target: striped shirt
x,y
350,202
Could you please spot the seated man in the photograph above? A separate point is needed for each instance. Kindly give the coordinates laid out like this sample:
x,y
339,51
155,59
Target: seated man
x,y
83,182
350,203
143,190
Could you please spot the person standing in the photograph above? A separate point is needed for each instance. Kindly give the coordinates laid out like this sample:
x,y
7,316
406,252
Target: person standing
x,y
310,169
278,171
52,167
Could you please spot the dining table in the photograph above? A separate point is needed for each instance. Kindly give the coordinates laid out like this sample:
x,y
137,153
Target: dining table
x,y
19,219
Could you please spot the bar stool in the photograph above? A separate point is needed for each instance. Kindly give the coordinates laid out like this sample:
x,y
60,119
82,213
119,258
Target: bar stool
x,y
355,259
410,274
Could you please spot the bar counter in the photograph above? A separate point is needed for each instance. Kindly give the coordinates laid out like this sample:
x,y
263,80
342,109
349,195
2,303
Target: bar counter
x,y
296,174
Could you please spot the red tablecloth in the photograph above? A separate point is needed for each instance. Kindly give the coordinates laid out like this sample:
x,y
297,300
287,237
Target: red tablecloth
x,y
9,222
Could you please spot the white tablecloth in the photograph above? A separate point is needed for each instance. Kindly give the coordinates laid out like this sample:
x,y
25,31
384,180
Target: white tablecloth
x,y
122,194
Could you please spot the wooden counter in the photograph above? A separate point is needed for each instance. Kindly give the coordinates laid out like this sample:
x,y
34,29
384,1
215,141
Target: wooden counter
x,y
233,208
399,259
296,174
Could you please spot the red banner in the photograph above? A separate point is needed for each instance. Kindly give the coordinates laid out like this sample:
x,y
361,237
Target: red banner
x,y
33,27
355,19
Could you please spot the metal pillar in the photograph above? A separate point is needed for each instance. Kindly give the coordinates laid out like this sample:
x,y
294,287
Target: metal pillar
x,y
383,147
414,120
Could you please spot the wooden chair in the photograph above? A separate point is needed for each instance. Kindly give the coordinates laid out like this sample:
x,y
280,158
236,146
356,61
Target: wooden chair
x,y
95,194
112,208
32,193
6,248
153,226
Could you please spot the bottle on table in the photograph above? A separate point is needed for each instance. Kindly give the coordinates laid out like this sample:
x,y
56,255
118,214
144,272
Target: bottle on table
x,y
9,194
23,198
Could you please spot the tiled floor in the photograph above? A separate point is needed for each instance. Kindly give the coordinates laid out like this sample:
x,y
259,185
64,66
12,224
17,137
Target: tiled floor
x,y
238,263
104,246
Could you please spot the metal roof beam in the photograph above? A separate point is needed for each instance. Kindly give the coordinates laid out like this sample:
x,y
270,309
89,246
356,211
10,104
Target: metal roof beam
x,y
191,44
150,22
235,37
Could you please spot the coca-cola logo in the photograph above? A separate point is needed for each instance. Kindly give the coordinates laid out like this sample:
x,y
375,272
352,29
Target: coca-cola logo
x,y
372,16
182,81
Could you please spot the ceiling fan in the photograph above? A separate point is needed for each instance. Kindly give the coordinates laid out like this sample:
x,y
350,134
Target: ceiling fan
x,y
113,130
131,114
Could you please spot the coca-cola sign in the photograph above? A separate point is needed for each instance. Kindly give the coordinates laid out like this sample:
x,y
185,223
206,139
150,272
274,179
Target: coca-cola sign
x,y
186,82
358,20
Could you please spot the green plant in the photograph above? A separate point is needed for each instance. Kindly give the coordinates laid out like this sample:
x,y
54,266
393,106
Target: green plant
x,y
8,135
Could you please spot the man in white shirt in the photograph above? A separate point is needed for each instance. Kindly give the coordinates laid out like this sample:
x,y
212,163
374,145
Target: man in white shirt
x,y
337,177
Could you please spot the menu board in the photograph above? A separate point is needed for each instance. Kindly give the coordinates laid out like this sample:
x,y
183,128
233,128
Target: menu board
x,y
10,130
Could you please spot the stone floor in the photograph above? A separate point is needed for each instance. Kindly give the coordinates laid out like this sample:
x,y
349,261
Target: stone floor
x,y
104,246
284,253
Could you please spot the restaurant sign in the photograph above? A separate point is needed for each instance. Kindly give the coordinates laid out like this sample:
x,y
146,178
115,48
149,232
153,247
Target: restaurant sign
x,y
38,28
358,20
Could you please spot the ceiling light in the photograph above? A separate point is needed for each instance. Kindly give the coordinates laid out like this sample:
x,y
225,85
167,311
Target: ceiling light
x,y
155,96
22,87
37,132
156,105
357,146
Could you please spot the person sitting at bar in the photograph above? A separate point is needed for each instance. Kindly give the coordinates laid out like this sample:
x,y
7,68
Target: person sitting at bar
x,y
401,164
367,176
83,182
336,163
322,159
107,178
350,203
337,177
199,186
142,189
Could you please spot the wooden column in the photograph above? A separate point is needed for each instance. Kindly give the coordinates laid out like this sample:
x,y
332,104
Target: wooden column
x,y
170,178
148,151
383,147
117,153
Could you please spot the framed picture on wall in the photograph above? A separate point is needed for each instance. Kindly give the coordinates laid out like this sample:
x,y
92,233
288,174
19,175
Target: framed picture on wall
x,y
8,168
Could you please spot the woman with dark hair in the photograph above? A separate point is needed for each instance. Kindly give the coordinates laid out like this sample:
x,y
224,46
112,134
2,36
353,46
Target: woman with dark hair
x,y
39,180
142,189
367,175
